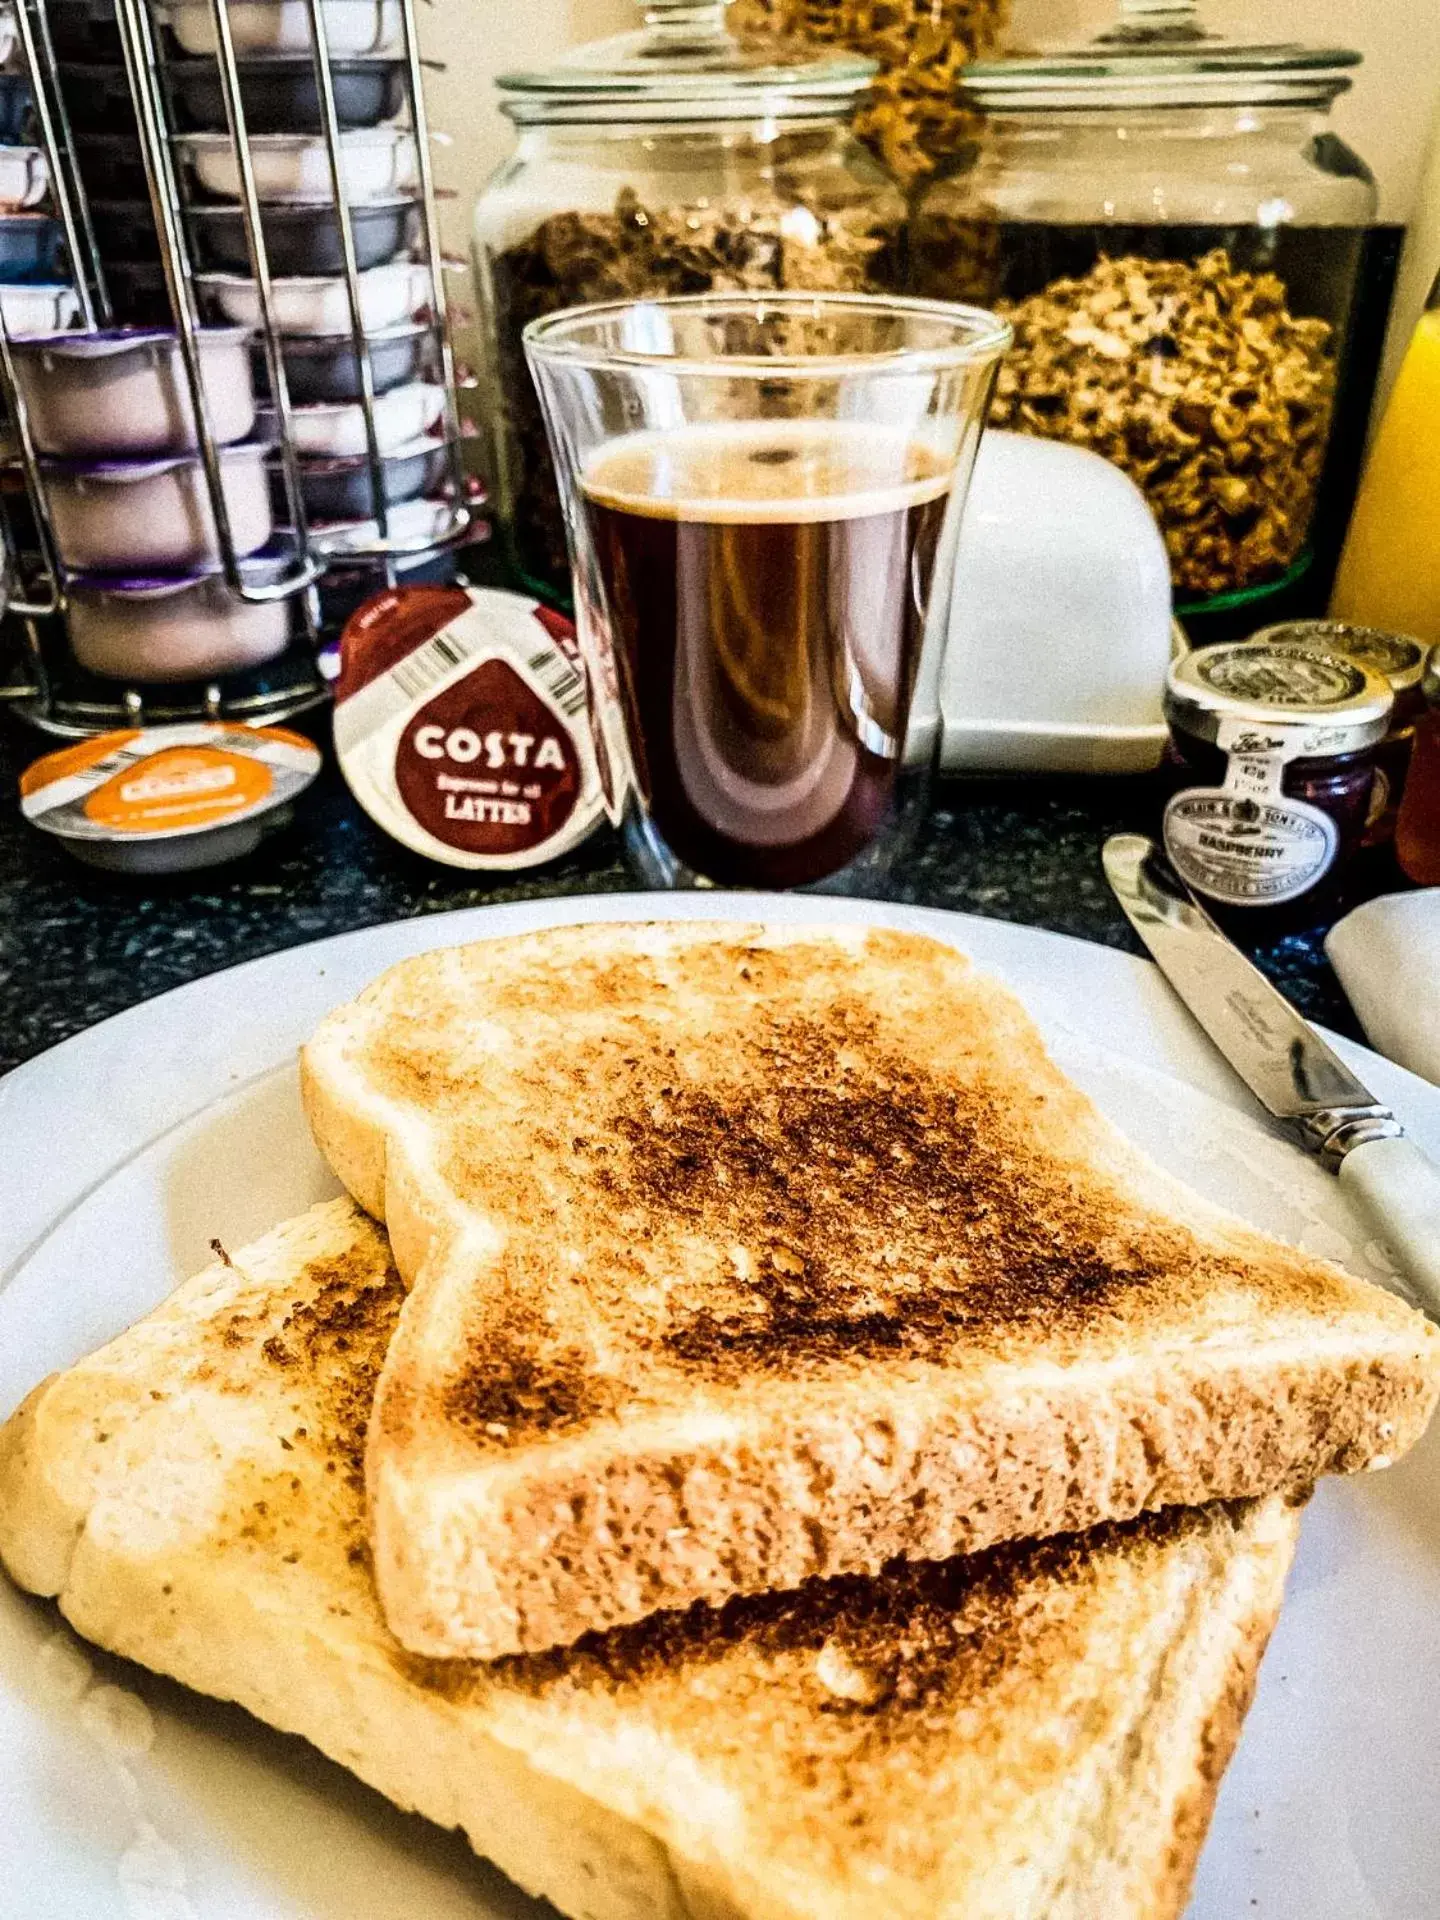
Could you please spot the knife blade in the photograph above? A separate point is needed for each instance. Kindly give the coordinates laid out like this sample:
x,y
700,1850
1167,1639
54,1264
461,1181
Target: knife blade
x,y
1283,1061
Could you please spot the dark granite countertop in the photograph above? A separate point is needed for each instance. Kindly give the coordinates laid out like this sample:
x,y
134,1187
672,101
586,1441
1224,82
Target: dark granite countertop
x,y
76,946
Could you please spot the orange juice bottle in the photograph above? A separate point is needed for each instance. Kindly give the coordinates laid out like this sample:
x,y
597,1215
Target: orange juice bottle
x,y
1390,570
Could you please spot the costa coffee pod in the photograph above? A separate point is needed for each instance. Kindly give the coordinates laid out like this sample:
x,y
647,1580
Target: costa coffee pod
x,y
462,725
168,799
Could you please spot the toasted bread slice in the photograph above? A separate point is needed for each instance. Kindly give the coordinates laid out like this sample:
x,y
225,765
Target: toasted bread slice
x,y
1035,1734
743,1257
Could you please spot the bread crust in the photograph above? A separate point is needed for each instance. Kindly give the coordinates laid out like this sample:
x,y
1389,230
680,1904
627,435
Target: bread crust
x,y
1035,1734
741,1256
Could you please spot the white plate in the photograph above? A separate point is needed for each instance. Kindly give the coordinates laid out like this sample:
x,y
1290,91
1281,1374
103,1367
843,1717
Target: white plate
x,y
126,1149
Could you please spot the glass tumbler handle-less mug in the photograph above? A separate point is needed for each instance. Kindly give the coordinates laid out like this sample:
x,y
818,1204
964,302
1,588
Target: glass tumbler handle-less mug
x,y
762,498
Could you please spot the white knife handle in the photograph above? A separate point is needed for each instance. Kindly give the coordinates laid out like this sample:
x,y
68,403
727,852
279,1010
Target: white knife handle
x,y
1398,1186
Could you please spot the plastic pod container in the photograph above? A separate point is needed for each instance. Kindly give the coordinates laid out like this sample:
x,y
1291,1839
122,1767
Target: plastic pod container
x,y
168,799
170,627
117,516
325,366
123,393
280,94
319,303
38,308
32,248
303,237
341,489
24,178
412,523
402,415
283,26
427,675
376,163
16,110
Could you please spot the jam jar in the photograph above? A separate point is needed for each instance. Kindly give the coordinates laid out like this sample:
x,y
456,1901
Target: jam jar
x,y
1417,832
1275,750
1396,657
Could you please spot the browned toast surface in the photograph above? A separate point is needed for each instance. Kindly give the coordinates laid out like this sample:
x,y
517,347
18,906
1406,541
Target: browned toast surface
x,y
744,1256
1033,1734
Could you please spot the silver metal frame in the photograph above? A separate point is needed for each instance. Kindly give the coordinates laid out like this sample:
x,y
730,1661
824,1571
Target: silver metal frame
x,y
145,61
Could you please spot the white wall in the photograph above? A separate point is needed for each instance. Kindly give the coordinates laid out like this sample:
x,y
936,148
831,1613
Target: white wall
x,y
478,39
1385,117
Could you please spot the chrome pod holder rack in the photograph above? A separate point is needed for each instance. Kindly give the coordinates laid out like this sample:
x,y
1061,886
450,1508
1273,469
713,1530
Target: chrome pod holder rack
x,y
54,694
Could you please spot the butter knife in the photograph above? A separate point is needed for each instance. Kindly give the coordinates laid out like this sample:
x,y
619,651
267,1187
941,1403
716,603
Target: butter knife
x,y
1285,1063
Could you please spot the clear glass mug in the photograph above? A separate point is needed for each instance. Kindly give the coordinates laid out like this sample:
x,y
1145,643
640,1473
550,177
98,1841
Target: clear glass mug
x,y
762,499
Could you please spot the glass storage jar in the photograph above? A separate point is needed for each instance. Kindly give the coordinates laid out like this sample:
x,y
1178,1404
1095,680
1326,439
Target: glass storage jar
x,y
1178,238
677,159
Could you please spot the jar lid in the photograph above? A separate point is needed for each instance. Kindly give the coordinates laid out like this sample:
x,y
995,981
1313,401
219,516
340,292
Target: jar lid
x,y
168,799
1157,53
1340,705
685,64
1394,656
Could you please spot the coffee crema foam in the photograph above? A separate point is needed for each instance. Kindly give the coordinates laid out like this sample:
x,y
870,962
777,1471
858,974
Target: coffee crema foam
x,y
768,472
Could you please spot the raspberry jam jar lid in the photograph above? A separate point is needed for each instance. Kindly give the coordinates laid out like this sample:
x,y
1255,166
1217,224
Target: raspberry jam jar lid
x,y
1396,657
1329,701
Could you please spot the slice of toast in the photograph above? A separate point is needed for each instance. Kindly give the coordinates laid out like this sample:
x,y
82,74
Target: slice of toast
x,y
1034,1734
742,1257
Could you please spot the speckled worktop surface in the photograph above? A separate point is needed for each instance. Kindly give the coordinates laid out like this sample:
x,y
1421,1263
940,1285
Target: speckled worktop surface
x,y
76,946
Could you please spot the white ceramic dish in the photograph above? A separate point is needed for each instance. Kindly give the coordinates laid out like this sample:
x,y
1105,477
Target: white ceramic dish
x,y
1060,622
389,295
377,162
125,1796
283,26
123,392
24,178
403,414
113,516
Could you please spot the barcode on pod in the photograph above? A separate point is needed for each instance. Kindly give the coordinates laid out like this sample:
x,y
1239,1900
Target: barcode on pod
x,y
427,666
563,682
117,762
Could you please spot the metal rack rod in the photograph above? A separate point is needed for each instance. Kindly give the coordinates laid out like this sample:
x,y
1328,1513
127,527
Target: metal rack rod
x,y
146,88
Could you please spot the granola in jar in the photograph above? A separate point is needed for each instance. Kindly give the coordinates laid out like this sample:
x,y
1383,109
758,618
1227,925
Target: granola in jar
x,y
1200,383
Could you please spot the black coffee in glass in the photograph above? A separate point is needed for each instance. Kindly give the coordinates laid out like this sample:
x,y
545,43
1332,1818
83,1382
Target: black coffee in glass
x,y
765,589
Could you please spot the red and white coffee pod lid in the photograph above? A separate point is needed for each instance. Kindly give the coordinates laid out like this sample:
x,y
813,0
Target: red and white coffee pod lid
x,y
462,725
